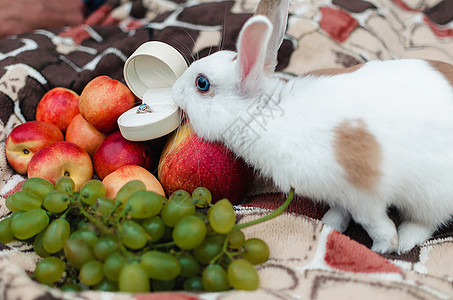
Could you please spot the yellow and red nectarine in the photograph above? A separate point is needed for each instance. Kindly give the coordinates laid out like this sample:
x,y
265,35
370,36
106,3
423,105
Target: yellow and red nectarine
x,y
28,138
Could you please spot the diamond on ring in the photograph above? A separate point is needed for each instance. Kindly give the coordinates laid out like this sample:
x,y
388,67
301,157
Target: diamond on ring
x,y
143,109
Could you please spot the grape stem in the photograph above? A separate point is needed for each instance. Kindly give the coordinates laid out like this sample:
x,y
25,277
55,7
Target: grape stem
x,y
105,230
110,213
65,213
163,245
272,215
96,222
126,253
224,251
123,214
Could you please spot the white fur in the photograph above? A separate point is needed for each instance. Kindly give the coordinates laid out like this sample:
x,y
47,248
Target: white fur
x,y
406,105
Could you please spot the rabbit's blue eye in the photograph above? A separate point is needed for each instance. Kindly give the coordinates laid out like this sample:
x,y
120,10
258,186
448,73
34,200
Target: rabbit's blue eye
x,y
202,83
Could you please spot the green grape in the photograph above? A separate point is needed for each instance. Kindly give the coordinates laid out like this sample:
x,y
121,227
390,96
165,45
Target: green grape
x,y
155,228
56,235
104,206
202,216
9,202
38,245
210,248
150,218
6,235
49,270
83,224
193,284
87,235
133,235
189,232
163,285
189,265
160,265
215,279
78,252
14,216
56,201
70,287
65,184
128,189
222,216
178,206
38,186
256,251
144,204
106,286
92,190
91,272
181,195
24,201
242,275
202,197
113,265
236,239
29,223
133,279
105,247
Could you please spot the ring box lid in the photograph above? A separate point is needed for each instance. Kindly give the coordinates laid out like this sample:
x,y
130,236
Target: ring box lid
x,y
150,73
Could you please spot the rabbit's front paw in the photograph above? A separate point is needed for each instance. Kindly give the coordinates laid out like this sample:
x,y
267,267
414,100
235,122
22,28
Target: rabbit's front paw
x,y
386,245
412,234
337,218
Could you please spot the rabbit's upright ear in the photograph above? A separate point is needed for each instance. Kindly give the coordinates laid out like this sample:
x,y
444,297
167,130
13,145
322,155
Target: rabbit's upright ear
x,y
277,12
252,47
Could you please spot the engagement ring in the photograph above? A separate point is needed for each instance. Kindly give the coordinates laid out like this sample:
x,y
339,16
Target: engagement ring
x,y
144,108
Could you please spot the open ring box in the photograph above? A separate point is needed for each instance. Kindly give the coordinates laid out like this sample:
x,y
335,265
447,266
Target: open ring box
x,y
150,73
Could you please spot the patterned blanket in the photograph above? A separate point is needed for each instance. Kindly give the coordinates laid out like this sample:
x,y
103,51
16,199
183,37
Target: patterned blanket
x,y
308,260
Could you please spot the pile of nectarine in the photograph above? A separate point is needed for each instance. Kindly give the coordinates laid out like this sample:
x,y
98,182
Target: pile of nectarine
x,y
78,136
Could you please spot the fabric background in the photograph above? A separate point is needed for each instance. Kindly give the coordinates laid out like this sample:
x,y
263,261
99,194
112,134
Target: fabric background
x,y
308,260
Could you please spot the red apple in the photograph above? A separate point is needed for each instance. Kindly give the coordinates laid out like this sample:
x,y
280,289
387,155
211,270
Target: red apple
x,y
82,133
188,162
103,100
62,159
27,139
115,180
115,152
58,106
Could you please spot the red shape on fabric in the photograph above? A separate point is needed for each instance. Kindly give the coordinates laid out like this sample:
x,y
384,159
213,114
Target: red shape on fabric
x,y
110,21
401,4
135,24
337,23
165,296
78,34
440,31
99,15
347,255
16,188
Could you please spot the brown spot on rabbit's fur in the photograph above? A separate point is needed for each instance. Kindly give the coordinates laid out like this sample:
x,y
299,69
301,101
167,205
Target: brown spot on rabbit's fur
x,y
444,68
359,153
333,71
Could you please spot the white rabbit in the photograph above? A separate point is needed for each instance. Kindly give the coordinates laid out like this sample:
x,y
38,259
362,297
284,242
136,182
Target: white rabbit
x,y
360,139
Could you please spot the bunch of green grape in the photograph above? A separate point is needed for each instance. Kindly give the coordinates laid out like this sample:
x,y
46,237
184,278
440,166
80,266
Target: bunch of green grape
x,y
138,242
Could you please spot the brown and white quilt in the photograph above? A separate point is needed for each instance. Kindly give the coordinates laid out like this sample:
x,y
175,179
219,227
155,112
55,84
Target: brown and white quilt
x,y
308,260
